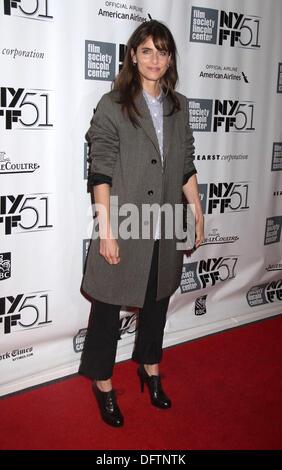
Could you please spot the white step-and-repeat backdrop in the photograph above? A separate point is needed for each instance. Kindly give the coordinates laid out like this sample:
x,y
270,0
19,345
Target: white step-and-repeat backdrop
x,y
57,58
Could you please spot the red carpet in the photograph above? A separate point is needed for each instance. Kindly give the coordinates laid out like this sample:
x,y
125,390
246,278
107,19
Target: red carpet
x,y
226,391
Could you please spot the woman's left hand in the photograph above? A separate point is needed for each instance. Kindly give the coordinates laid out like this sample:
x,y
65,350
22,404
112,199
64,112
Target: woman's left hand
x,y
199,228
191,192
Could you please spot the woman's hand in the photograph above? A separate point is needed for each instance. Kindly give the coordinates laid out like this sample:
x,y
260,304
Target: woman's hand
x,y
199,228
109,249
191,192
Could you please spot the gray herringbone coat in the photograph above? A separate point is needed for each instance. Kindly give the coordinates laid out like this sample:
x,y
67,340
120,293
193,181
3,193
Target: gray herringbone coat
x,y
131,157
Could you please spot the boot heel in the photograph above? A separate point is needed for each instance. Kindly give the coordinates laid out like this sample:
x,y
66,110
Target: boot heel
x,y
153,382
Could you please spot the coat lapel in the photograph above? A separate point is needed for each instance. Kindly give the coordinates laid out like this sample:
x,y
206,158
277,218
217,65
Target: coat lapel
x,y
147,124
145,121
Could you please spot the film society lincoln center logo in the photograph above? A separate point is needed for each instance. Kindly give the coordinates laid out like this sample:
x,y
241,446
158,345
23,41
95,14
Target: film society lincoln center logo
x,y
100,60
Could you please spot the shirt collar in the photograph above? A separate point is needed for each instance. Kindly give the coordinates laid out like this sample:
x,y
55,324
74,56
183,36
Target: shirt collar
x,y
151,99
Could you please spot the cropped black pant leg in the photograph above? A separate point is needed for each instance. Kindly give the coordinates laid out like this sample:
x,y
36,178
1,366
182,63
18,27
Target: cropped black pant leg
x,y
99,353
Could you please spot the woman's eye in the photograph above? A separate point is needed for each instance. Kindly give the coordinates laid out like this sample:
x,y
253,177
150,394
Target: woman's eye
x,y
148,51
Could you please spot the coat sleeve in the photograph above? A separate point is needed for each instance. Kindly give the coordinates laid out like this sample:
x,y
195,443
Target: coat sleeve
x,y
97,178
189,167
104,141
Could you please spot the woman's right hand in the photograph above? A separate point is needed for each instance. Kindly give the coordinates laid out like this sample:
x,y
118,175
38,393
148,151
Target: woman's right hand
x,y
109,249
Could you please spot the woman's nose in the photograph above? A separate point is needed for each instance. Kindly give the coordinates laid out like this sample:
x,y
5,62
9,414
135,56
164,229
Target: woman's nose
x,y
155,57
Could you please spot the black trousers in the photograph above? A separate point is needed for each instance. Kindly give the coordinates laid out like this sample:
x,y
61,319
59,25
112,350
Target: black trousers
x,y
99,353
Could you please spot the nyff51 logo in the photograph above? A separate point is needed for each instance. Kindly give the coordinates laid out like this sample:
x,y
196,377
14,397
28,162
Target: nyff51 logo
x,y
32,9
20,213
207,115
224,197
24,109
222,27
265,293
24,311
205,273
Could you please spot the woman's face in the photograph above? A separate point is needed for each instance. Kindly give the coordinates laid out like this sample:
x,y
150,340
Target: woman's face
x,y
152,63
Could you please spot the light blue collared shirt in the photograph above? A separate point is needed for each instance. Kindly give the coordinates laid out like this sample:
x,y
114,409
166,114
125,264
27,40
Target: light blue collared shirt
x,y
155,106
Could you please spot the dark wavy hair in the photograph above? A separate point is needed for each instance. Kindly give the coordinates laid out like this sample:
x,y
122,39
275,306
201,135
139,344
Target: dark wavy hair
x,y
128,81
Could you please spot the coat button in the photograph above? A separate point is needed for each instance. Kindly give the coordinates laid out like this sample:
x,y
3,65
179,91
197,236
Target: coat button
x,y
150,192
153,161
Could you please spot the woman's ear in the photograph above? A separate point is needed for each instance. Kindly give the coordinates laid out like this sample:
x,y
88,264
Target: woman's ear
x,y
133,56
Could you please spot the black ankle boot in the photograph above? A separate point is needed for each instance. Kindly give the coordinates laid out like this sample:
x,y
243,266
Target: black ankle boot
x,y
158,397
108,406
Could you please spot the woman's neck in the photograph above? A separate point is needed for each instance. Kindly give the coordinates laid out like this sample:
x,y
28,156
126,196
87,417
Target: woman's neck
x,y
153,88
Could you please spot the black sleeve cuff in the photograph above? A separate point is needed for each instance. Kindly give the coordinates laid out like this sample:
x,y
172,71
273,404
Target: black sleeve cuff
x,y
187,176
97,178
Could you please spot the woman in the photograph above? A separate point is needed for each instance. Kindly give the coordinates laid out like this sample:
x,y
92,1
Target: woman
x,y
141,153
